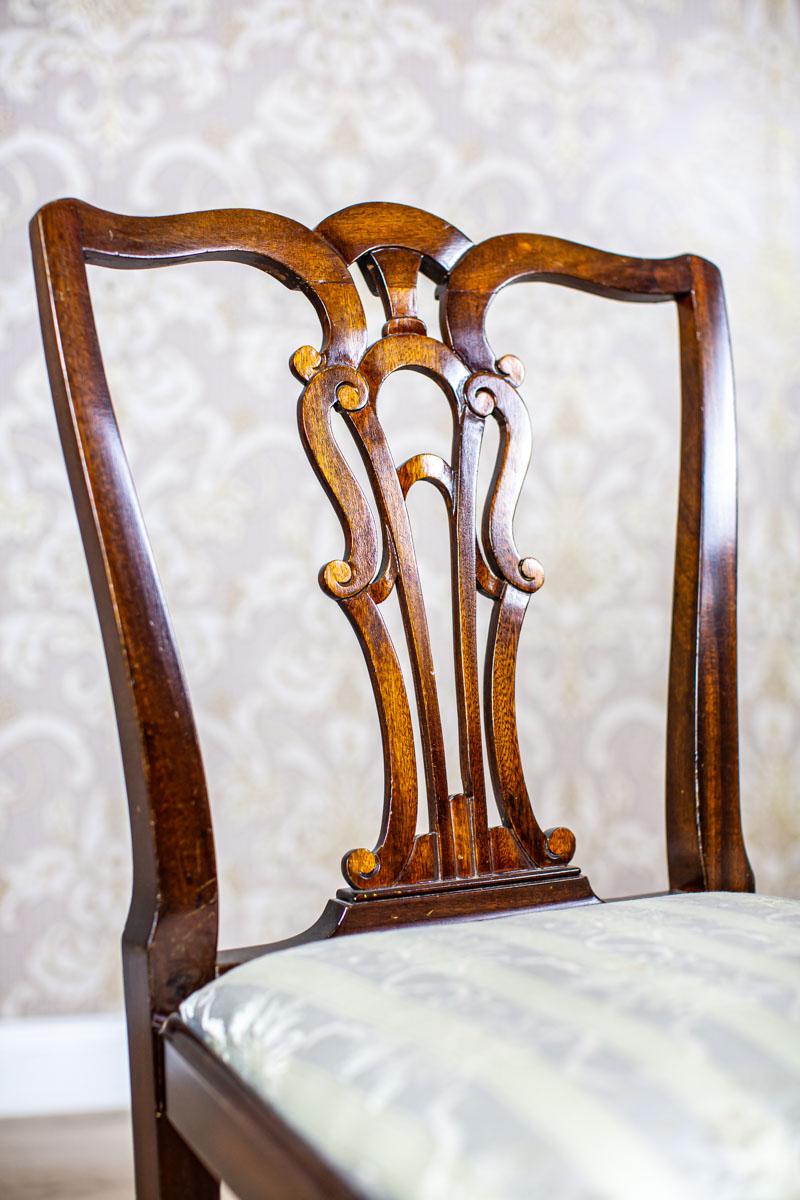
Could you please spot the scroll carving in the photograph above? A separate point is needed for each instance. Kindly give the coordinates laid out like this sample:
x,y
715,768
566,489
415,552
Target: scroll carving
x,y
392,245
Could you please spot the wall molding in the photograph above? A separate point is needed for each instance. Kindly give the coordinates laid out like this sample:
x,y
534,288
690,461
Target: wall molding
x,y
51,1065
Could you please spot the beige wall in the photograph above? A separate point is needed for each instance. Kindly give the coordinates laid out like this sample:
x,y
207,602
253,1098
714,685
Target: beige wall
x,y
645,126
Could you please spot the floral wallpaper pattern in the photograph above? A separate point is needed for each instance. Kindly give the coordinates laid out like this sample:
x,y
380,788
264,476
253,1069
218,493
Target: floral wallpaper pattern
x,y
644,126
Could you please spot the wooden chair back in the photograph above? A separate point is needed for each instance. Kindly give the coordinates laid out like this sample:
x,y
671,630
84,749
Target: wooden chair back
x,y
460,864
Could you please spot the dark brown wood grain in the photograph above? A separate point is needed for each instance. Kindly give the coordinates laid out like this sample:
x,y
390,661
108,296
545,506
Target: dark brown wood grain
x,y
203,1124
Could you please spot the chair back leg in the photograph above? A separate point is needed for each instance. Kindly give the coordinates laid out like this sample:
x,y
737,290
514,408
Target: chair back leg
x,y
165,1168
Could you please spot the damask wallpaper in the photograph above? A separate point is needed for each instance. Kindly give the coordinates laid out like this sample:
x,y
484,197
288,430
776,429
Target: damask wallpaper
x,y
644,126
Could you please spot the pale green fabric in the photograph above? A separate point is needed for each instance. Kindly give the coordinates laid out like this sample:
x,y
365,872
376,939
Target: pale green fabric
x,y
645,1048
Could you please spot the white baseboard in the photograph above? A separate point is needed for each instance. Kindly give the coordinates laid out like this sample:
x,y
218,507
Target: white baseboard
x,y
54,1065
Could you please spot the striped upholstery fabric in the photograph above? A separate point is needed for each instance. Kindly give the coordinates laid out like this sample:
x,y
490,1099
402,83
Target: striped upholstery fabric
x,y
647,1048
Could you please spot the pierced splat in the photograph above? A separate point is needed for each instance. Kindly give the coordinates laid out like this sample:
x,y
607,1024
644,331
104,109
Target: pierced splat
x,y
459,846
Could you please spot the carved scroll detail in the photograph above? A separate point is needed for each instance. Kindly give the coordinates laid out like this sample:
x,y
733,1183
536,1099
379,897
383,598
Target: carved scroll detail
x,y
392,244
346,577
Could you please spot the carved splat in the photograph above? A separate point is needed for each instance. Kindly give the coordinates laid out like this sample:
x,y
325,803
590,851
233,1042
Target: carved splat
x,y
459,845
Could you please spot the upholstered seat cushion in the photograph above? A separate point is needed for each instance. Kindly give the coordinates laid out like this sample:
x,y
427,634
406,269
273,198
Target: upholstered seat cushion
x,y
644,1048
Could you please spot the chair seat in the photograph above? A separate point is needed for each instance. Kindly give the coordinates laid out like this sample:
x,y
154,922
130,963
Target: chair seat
x,y
647,1047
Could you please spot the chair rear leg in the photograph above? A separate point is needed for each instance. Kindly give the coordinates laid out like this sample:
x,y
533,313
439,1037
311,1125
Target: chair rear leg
x,y
165,1167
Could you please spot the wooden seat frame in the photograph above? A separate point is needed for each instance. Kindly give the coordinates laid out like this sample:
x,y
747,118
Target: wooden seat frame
x,y
194,1121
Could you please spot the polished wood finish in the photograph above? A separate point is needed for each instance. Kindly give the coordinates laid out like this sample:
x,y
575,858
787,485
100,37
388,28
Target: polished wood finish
x,y
461,866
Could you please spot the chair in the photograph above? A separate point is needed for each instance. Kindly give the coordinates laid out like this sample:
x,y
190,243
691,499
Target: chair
x,y
202,1109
